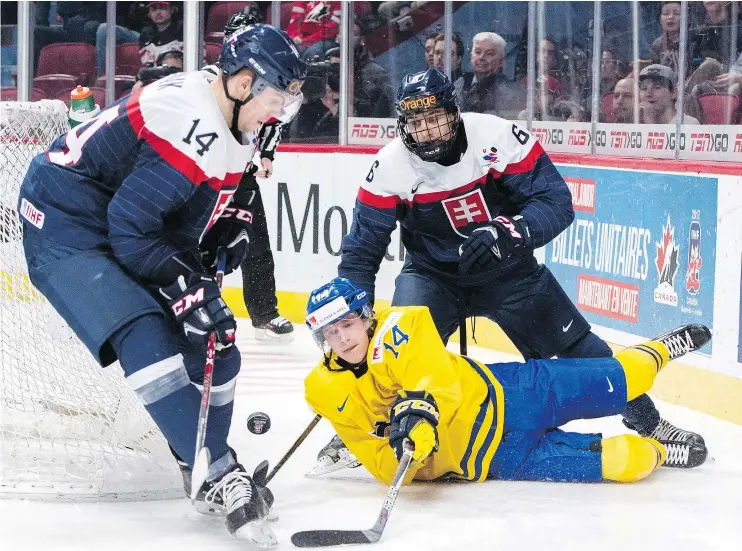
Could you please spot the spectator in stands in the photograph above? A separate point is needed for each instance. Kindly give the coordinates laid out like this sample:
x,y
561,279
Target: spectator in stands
x,y
623,101
569,111
666,47
147,75
711,52
314,26
490,91
461,80
371,81
732,81
80,21
129,20
612,70
657,95
391,10
172,58
548,89
163,35
430,50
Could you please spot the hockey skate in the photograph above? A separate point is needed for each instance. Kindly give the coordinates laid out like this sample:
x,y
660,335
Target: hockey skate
x,y
278,329
215,506
333,457
685,449
245,508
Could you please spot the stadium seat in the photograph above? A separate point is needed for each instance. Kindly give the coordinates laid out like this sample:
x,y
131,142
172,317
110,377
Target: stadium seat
x,y
99,95
53,85
68,58
719,108
128,61
212,51
219,15
121,84
606,107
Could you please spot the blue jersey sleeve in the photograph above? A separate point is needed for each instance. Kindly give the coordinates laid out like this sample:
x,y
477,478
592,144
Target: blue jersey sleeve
x,y
363,248
545,200
137,212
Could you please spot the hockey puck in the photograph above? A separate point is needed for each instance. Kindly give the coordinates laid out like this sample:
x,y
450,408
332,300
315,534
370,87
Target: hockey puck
x,y
258,422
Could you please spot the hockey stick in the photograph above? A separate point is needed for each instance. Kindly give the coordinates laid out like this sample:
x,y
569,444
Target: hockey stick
x,y
292,449
202,457
462,336
328,538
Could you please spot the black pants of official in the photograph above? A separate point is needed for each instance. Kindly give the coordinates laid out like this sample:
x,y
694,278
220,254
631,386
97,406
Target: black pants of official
x,y
258,280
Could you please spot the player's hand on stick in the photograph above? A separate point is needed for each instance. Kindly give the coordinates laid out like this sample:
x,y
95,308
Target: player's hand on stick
x,y
229,232
267,165
414,417
491,244
196,303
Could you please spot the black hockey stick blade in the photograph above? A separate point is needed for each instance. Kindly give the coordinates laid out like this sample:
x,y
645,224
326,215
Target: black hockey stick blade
x,y
330,538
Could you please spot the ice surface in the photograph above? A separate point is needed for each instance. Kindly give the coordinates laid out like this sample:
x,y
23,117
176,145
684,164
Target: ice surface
x,y
673,510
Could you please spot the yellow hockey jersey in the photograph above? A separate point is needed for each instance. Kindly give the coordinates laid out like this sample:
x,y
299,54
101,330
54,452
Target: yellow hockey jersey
x,y
406,353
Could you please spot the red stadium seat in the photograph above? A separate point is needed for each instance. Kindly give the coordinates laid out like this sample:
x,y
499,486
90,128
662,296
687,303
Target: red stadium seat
x,y
719,108
606,107
220,12
52,86
212,52
128,61
11,94
68,58
361,8
121,84
99,95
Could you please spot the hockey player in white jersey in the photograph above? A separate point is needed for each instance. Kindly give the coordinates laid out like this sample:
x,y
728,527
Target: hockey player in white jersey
x,y
121,219
474,195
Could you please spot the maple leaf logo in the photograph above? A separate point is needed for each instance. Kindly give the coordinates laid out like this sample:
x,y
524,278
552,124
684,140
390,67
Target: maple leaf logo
x,y
667,255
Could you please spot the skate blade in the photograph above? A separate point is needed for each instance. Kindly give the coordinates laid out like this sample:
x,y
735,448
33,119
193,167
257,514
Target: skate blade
x,y
272,516
321,470
258,533
209,509
262,335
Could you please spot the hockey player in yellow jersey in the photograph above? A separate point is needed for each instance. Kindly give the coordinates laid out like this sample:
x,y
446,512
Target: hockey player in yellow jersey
x,y
386,379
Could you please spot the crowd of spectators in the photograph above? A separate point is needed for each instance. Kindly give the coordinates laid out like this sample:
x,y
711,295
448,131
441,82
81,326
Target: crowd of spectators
x,y
489,68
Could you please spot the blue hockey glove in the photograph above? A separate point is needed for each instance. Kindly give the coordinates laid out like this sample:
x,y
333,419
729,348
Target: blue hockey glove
x,y
229,232
414,417
491,244
196,302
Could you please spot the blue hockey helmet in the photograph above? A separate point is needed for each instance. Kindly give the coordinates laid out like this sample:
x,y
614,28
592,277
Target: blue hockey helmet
x,y
270,55
422,100
334,301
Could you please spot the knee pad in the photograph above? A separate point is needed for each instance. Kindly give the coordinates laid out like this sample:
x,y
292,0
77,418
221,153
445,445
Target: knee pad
x,y
629,458
589,346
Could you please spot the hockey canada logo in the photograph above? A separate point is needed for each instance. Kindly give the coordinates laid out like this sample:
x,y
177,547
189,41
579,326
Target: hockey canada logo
x,y
692,275
466,209
666,262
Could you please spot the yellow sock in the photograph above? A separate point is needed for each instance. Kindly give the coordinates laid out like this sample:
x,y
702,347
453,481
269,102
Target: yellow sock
x,y
641,363
628,458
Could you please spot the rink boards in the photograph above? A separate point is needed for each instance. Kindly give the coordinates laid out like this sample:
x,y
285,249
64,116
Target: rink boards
x,y
654,244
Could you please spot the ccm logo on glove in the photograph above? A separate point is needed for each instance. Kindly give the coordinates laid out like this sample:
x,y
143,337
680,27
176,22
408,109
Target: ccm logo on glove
x,y
186,302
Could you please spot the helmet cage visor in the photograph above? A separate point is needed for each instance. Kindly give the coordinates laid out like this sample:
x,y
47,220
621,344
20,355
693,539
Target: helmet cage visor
x,y
324,323
430,133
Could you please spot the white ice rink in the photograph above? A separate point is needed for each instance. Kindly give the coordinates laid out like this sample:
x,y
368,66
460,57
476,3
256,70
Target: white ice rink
x,y
673,510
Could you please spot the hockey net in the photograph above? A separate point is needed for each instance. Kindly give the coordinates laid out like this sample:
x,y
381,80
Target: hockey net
x,y
71,430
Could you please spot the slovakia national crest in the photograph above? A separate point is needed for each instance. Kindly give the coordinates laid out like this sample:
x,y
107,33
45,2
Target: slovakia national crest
x,y
692,276
466,209
666,262
490,156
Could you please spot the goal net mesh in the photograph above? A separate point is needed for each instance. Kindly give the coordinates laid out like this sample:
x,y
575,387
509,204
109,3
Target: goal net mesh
x,y
70,429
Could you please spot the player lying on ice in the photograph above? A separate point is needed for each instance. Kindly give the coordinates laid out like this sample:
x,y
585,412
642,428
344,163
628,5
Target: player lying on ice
x,y
113,218
388,378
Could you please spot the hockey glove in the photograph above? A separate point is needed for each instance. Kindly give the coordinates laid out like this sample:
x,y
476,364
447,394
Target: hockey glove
x,y
197,304
414,417
230,232
491,244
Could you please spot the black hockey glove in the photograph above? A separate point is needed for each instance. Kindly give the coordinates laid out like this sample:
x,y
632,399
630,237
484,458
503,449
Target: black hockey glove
x,y
414,417
196,302
491,244
230,232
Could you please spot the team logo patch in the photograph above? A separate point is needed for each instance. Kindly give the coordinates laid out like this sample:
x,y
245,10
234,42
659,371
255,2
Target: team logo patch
x,y
32,214
692,276
465,210
666,263
490,156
